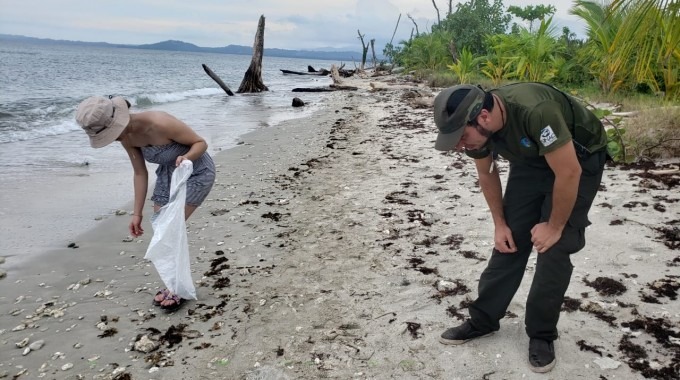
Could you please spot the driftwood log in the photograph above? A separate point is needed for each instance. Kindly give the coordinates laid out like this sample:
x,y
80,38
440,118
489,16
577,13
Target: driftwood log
x,y
336,86
330,88
217,79
252,80
316,73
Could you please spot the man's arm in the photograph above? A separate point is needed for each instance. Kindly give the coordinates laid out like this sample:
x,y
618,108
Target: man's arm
x,y
490,182
565,165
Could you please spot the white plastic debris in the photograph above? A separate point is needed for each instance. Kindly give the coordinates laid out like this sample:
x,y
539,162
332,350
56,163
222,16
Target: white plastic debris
x,y
607,363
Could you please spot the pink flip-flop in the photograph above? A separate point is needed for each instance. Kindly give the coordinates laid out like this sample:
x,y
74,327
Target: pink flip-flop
x,y
164,292
177,303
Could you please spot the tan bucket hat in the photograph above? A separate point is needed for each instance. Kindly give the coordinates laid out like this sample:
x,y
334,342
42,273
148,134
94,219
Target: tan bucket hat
x,y
103,119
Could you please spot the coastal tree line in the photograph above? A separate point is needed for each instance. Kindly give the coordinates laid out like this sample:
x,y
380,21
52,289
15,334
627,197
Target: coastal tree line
x,y
630,45
631,50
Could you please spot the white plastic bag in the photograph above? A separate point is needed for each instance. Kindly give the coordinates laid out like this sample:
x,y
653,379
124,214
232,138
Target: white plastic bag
x,y
169,249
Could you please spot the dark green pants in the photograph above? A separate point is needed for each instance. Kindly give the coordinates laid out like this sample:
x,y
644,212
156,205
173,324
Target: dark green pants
x,y
527,202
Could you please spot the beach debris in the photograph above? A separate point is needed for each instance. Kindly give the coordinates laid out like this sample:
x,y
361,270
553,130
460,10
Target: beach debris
x,y
22,343
67,366
449,288
414,329
159,359
145,344
72,245
2,259
606,286
103,293
107,331
120,212
587,347
58,355
127,239
219,212
672,170
214,362
38,344
3,273
607,363
20,327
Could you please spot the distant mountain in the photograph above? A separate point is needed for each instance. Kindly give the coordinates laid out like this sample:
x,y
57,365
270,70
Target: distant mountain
x,y
174,45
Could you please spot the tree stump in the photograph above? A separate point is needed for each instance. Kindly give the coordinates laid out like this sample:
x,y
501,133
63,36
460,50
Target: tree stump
x,y
335,75
252,80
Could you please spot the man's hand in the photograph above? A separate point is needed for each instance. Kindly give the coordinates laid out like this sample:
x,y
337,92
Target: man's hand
x,y
503,240
544,235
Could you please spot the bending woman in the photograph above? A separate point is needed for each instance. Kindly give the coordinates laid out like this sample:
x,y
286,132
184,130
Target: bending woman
x,y
156,137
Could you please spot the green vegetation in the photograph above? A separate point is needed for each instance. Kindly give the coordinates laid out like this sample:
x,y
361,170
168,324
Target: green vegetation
x,y
630,57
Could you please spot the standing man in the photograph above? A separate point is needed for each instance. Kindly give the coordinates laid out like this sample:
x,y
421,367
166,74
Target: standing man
x,y
557,151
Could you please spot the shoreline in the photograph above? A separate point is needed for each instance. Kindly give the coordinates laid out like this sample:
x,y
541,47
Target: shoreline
x,y
102,188
338,231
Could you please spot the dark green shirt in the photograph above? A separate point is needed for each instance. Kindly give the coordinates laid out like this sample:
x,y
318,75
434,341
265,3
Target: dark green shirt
x,y
540,119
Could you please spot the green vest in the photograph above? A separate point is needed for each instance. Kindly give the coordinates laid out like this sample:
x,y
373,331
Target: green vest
x,y
540,119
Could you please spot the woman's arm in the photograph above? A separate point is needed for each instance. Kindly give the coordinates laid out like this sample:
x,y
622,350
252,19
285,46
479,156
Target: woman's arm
x,y
141,183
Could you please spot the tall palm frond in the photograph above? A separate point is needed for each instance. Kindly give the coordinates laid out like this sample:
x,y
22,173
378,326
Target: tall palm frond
x,y
653,31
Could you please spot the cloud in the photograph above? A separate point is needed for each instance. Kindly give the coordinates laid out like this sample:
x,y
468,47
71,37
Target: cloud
x,y
290,24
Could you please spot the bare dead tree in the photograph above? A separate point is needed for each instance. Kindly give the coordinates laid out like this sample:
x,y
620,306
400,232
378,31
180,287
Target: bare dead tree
x,y
252,80
395,29
414,23
373,52
439,19
450,8
364,50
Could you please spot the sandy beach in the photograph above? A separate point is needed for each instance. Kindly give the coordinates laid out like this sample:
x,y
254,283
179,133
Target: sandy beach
x,y
341,246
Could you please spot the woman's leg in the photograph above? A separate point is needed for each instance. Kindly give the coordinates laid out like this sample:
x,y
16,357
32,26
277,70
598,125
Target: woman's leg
x,y
188,210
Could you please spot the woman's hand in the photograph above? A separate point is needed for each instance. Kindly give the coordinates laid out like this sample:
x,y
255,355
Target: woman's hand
x,y
180,159
136,229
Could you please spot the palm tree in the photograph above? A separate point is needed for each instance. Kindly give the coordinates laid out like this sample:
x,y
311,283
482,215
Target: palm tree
x,y
537,52
466,66
606,60
428,52
653,29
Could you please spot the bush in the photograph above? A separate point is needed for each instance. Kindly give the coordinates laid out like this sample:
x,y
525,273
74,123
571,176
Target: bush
x,y
654,132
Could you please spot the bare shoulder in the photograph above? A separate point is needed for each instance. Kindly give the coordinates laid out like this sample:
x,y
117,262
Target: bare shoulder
x,y
159,118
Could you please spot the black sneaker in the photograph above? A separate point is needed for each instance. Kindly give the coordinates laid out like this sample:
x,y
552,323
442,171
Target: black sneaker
x,y
461,334
541,355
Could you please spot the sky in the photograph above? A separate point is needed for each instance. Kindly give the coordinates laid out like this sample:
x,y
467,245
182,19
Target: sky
x,y
289,24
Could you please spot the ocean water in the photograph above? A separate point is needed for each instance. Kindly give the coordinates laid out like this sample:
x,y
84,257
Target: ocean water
x,y
54,186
